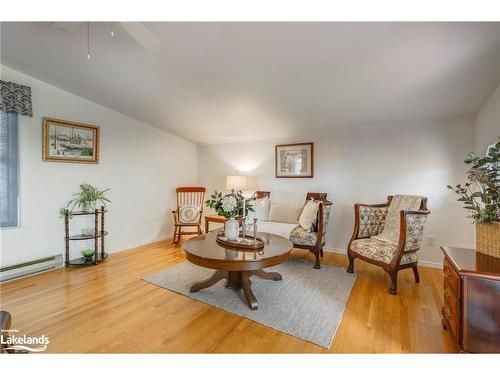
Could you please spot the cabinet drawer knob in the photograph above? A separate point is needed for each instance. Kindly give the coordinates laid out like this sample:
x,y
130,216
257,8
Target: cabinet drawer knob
x,y
447,293
447,273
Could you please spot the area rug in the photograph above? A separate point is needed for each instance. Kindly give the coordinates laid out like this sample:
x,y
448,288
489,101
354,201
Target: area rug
x,y
308,303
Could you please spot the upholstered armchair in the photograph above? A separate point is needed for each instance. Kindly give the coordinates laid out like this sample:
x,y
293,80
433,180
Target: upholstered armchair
x,y
369,222
313,240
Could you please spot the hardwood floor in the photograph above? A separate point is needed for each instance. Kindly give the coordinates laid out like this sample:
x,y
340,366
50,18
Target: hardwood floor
x,y
109,309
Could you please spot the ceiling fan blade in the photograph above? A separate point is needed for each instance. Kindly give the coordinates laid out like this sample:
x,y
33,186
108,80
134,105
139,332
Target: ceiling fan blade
x,y
142,35
67,26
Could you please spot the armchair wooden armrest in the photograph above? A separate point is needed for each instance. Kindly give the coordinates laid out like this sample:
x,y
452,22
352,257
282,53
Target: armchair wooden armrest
x,y
411,230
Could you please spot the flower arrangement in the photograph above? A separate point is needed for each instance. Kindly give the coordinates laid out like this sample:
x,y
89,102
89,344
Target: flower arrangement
x,y
481,193
229,205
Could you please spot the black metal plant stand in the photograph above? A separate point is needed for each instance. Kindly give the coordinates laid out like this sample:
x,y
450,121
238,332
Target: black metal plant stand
x,y
98,234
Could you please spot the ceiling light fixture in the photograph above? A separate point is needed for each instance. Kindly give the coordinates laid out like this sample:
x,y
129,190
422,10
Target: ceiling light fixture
x,y
88,40
112,31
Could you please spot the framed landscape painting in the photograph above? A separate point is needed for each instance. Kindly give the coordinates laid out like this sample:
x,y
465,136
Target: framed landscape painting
x,y
71,142
295,160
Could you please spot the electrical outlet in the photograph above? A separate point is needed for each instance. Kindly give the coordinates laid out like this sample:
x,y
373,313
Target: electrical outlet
x,y
430,240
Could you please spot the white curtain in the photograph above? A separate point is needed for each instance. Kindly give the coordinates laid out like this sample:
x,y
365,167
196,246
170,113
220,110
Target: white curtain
x,y
9,170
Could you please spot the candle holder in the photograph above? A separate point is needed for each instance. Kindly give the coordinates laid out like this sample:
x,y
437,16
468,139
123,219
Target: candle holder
x,y
255,242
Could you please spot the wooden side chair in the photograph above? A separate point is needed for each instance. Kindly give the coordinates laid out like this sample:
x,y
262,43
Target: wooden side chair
x,y
190,201
369,223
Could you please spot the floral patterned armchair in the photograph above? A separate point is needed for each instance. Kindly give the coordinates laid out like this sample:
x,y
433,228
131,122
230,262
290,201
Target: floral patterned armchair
x,y
369,222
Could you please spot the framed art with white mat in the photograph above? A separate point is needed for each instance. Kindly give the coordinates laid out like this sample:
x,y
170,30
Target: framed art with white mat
x,y
294,160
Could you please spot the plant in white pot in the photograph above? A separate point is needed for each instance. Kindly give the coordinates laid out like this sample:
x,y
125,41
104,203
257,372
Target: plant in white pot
x,y
481,198
230,206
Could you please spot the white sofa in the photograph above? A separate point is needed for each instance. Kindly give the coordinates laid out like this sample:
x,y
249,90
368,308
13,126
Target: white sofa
x,y
312,240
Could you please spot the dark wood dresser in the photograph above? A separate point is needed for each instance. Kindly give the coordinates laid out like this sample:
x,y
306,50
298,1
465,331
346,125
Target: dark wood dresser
x,y
471,307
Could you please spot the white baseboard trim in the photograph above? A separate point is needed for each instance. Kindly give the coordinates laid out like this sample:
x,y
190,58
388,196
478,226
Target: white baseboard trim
x,y
423,263
337,250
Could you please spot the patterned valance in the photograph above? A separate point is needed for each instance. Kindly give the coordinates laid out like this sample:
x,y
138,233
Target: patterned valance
x,y
15,98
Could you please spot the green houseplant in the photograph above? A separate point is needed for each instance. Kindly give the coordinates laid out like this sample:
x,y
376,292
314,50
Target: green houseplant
x,y
481,198
88,197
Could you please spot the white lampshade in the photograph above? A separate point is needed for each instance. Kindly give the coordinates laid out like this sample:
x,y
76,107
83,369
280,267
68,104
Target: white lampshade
x,y
236,182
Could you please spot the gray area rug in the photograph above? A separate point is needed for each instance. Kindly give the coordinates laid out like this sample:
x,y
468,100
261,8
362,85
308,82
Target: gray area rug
x,y
307,303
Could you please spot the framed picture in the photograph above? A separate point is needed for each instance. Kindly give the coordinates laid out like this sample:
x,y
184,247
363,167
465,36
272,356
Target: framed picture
x,y
70,142
295,160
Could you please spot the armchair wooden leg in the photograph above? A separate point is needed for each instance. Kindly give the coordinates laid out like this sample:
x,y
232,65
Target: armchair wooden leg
x,y
393,289
317,264
321,252
415,273
350,267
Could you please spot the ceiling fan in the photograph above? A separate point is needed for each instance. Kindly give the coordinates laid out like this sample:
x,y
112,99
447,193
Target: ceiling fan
x,y
136,29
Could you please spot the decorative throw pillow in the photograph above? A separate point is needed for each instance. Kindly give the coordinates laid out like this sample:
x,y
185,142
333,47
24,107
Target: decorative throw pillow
x,y
309,215
188,213
390,233
261,209
282,213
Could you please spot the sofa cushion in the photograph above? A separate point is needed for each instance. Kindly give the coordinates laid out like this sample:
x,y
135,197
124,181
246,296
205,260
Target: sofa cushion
x,y
280,229
261,209
285,213
189,214
381,251
300,236
309,215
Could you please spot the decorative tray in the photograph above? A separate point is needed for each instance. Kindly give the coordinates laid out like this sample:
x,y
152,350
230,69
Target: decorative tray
x,y
245,244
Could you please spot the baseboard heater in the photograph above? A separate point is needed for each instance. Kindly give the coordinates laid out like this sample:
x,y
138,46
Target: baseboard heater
x,y
30,268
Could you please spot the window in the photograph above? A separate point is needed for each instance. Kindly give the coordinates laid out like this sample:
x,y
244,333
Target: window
x,y
9,170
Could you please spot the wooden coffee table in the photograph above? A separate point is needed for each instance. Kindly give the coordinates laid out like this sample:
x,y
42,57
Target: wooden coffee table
x,y
234,265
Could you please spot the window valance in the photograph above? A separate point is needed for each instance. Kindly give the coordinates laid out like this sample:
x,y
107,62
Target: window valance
x,y
15,98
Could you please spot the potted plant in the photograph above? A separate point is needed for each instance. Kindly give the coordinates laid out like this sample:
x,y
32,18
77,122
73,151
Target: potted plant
x,y
88,197
481,198
85,200
230,206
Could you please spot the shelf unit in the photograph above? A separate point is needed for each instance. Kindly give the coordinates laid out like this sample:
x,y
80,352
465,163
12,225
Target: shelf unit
x,y
98,236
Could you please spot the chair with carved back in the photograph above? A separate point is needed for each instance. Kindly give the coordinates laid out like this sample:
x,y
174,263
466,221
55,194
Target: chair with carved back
x,y
190,200
369,241
313,240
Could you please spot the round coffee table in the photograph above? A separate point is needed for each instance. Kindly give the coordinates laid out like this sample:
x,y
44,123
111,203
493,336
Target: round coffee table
x,y
234,265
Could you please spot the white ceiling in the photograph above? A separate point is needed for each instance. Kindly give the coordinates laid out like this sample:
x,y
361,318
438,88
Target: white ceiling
x,y
222,82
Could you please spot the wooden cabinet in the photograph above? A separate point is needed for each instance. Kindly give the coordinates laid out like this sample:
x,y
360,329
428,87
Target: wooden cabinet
x,y
471,301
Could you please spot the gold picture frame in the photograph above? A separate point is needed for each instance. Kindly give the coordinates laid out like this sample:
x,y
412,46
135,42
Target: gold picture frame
x,y
70,142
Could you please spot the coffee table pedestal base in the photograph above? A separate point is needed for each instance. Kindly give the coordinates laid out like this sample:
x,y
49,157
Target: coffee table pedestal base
x,y
237,280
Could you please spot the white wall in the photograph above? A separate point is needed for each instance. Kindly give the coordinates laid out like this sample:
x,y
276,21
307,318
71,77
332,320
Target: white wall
x,y
365,165
141,164
488,122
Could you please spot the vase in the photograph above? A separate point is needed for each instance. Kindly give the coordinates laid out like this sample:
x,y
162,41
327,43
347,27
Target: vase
x,y
488,238
231,229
